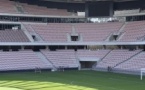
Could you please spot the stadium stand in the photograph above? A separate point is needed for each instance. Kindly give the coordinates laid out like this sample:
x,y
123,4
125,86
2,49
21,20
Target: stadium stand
x,y
58,32
122,12
134,31
97,32
31,9
55,32
24,8
51,32
7,7
134,64
115,57
67,32
13,36
21,60
61,58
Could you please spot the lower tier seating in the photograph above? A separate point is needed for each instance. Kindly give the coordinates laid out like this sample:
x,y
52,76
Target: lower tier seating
x,y
21,60
134,64
28,59
116,57
61,58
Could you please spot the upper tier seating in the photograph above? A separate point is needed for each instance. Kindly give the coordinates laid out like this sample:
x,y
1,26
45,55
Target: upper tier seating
x,y
90,32
97,32
21,60
134,31
40,10
7,6
52,32
13,36
134,64
115,57
61,58
124,12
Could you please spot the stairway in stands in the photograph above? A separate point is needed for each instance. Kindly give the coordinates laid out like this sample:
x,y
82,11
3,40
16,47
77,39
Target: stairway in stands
x,y
19,8
44,59
121,31
27,33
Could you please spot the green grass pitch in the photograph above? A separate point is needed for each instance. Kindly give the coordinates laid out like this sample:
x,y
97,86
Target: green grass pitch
x,y
70,80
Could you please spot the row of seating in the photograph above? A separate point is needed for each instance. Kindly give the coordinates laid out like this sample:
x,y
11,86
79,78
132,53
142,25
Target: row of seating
x,y
31,9
115,57
97,32
14,7
13,36
20,60
131,11
53,32
90,32
87,32
7,6
119,59
28,59
124,60
134,31
62,58
134,64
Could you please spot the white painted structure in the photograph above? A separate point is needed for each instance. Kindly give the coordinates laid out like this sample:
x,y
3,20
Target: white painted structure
x,y
141,73
68,43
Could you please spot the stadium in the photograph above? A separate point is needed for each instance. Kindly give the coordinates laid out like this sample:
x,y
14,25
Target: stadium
x,y
72,44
